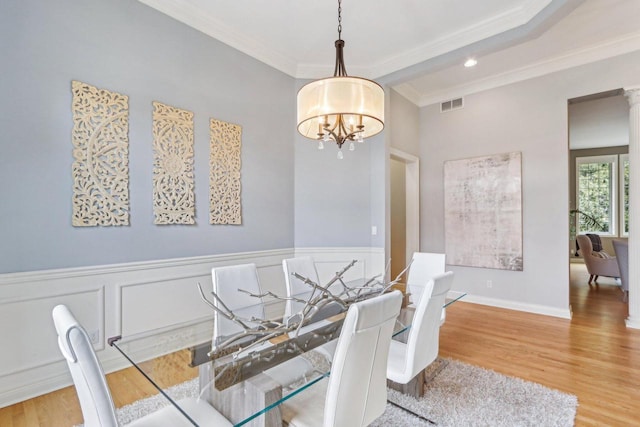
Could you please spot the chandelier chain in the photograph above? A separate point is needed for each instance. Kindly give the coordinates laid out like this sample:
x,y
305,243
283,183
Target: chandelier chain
x,y
339,19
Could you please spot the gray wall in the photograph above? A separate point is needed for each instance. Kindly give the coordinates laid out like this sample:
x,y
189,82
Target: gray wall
x,y
124,46
404,123
531,117
602,122
332,197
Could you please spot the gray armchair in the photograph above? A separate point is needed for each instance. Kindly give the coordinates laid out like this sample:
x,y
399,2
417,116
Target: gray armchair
x,y
596,265
621,247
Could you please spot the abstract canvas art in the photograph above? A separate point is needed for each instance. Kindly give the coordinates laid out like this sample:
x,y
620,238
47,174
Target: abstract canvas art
x,y
100,168
224,179
173,184
483,211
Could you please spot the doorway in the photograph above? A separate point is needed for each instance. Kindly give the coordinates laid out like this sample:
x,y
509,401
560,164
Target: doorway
x,y
404,210
598,180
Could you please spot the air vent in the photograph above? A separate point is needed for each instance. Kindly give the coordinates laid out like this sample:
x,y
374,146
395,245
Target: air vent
x,y
452,104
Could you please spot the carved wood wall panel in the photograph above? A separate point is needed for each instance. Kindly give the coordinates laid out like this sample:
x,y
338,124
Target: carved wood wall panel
x,y
173,184
224,179
101,156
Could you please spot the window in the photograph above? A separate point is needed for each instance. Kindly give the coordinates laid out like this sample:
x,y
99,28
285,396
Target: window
x,y
596,186
624,194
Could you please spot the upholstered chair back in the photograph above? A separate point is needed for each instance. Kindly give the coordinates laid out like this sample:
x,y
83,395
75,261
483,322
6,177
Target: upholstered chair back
x,y
305,267
226,282
357,392
621,248
597,265
424,267
423,341
88,377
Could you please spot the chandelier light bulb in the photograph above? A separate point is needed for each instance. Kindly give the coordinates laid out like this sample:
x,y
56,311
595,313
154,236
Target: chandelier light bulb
x,y
340,155
320,145
352,146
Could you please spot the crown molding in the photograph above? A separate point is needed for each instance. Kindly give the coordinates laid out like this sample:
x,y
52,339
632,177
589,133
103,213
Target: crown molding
x,y
408,92
593,53
188,14
493,26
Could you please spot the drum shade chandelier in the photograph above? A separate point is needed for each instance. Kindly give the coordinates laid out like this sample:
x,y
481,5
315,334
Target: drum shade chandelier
x,y
340,108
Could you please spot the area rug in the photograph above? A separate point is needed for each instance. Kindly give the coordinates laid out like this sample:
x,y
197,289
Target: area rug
x,y
464,395
456,394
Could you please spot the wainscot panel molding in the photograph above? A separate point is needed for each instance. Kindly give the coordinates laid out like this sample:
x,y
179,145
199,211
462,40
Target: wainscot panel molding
x,y
519,306
331,260
158,301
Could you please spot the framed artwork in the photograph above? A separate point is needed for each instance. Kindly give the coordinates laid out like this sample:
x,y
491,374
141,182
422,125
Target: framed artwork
x,y
483,211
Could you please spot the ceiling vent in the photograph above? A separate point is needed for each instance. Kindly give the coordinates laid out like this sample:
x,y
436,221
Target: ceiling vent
x,y
452,104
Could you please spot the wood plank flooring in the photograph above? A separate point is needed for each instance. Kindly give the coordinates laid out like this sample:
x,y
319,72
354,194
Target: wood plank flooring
x,y
592,356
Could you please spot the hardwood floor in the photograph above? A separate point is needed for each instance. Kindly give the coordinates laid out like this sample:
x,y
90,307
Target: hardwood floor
x,y
592,356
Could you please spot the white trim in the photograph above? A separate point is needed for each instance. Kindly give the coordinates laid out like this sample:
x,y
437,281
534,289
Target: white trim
x,y
412,188
217,28
328,260
607,49
35,365
519,306
130,267
622,159
633,323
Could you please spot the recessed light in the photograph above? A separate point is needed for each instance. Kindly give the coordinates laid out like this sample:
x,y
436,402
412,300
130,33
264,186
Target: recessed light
x,y
470,62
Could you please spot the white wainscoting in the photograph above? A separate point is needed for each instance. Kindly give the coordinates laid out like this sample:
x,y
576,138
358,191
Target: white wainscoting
x,y
331,260
156,300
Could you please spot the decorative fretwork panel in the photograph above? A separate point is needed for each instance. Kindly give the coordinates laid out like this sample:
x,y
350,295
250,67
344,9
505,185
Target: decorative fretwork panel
x,y
173,186
224,179
101,156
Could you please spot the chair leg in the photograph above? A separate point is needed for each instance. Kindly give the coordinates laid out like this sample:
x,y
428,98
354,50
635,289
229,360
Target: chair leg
x,y
590,278
595,278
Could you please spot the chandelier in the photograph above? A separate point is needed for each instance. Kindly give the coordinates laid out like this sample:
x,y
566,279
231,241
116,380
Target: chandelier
x,y
340,108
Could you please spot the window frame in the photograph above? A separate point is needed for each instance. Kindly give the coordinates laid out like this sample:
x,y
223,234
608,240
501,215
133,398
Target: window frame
x,y
612,159
623,158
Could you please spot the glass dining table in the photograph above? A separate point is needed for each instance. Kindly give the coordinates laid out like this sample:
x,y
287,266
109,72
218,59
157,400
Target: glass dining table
x,y
248,379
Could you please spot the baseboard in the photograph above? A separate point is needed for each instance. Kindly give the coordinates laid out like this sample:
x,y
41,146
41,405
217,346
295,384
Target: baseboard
x,y
519,306
633,322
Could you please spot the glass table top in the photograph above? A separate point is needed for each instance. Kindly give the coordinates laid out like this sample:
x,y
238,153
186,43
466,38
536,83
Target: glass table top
x,y
255,375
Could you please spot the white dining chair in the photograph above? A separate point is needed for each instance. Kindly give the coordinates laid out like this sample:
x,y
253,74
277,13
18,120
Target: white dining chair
x,y
406,360
305,267
424,266
356,392
93,392
226,284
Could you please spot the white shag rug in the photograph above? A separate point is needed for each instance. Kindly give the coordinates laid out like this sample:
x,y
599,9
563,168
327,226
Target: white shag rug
x,y
457,395
463,395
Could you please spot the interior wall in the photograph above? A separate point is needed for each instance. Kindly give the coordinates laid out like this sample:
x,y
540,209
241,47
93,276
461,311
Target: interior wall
x,y
332,197
602,122
530,117
127,47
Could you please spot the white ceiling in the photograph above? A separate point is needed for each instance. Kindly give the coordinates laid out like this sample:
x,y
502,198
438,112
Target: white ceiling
x,y
418,46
